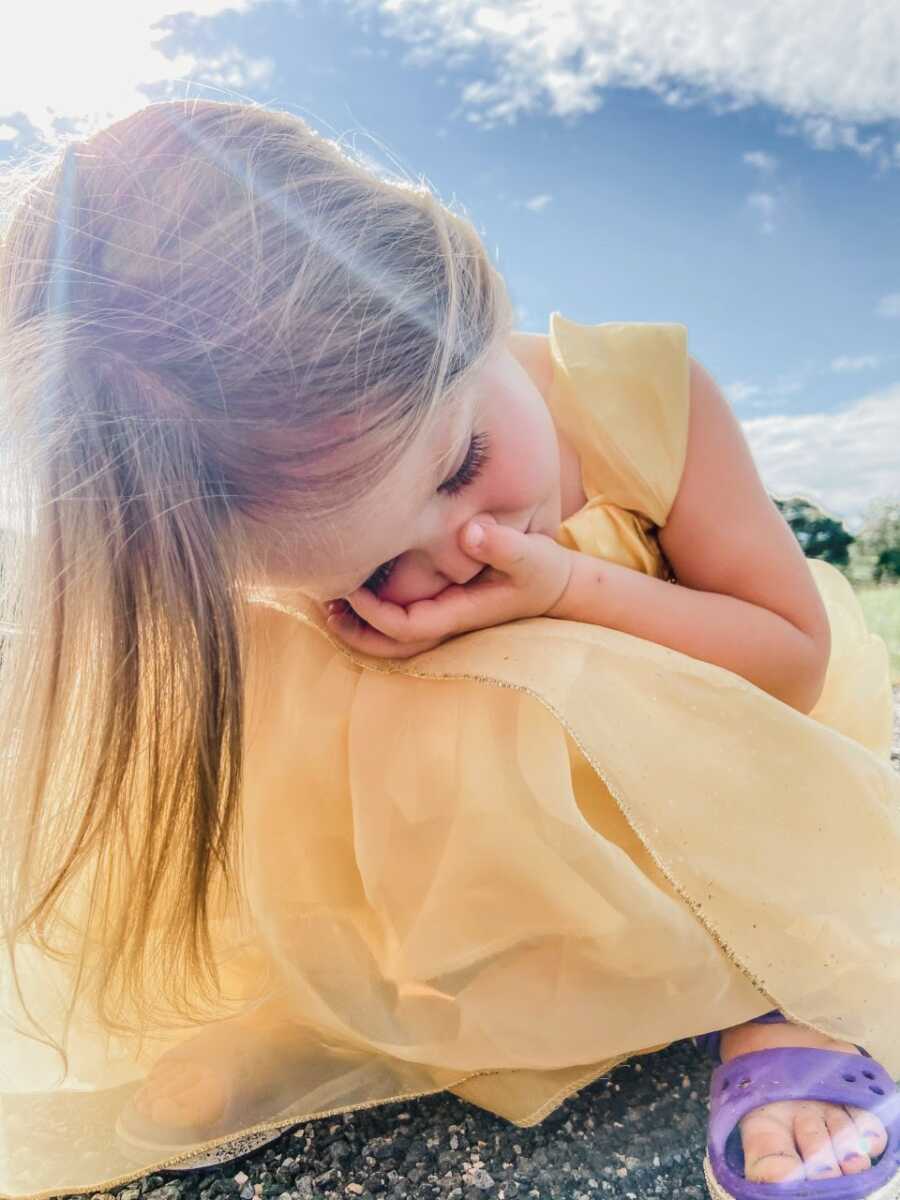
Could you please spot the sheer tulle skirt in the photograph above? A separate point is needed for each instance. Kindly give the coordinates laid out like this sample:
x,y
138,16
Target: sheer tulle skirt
x,y
502,868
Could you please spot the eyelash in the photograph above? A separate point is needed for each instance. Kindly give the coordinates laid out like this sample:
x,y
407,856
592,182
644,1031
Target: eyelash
x,y
473,465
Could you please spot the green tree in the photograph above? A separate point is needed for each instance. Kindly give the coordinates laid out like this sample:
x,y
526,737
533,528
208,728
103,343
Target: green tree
x,y
819,535
878,535
887,567
881,527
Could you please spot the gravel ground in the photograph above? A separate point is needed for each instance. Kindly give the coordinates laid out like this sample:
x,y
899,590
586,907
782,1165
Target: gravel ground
x,y
638,1132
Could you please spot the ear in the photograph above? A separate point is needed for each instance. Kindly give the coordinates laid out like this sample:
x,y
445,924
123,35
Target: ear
x,y
532,350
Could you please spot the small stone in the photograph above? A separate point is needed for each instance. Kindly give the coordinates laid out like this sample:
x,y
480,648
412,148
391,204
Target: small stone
x,y
167,1192
481,1179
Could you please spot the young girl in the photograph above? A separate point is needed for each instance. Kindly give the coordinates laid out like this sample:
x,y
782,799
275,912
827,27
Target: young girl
x,y
396,702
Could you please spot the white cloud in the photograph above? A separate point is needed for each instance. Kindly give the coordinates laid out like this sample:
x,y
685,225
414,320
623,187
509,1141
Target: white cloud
x,y
739,391
863,362
829,68
794,381
841,460
536,203
828,134
889,306
101,58
765,204
762,161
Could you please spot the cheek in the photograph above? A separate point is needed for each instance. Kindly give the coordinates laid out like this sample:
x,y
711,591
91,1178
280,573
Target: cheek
x,y
524,461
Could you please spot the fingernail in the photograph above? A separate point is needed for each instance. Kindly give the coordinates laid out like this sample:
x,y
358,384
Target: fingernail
x,y
474,535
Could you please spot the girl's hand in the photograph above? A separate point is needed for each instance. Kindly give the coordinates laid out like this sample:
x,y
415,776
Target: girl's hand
x,y
526,574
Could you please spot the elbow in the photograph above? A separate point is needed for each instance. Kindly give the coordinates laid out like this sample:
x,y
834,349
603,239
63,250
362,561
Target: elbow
x,y
808,679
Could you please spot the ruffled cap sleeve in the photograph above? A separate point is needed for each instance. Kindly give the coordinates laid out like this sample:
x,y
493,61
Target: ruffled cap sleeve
x,y
620,393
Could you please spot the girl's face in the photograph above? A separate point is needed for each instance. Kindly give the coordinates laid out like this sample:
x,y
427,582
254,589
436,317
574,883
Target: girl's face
x,y
404,541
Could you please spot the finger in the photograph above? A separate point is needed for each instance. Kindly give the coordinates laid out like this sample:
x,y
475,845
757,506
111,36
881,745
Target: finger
x,y
500,546
401,625
457,609
419,621
384,615
359,635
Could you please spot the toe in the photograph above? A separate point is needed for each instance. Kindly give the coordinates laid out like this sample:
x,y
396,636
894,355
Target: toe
x,y
873,1135
770,1155
827,1138
849,1150
181,1096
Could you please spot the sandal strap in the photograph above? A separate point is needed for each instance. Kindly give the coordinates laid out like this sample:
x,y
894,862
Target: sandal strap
x,y
799,1073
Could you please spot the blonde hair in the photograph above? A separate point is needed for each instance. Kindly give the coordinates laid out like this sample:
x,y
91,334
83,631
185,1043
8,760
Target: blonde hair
x,y
213,321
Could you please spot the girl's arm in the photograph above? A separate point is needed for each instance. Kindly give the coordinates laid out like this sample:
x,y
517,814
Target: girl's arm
x,y
747,600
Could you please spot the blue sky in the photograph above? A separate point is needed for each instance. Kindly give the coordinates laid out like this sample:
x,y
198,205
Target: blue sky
x,y
627,160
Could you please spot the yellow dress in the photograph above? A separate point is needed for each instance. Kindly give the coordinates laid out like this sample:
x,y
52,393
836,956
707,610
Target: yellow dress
x,y
510,863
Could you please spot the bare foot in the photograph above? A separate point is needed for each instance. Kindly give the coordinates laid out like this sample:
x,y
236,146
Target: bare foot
x,y
235,1073
802,1139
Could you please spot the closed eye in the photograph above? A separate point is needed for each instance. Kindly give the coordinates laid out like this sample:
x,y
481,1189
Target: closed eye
x,y
472,466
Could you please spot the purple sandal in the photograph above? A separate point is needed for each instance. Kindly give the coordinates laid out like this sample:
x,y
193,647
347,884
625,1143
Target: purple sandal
x,y
796,1073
